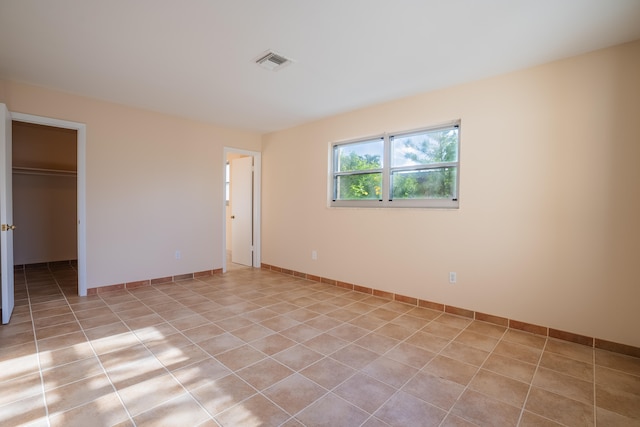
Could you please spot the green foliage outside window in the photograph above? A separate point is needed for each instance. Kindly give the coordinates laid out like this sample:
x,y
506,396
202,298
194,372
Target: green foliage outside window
x,y
427,149
360,186
418,176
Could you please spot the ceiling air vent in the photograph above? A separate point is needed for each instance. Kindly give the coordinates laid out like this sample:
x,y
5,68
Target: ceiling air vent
x,y
272,61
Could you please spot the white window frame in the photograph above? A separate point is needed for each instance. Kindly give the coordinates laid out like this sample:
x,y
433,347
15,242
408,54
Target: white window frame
x,y
385,201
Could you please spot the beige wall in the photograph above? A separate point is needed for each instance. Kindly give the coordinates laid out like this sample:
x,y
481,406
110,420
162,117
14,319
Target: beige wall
x,y
548,226
154,185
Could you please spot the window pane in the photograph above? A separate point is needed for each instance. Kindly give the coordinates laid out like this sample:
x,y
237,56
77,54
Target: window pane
x,y
366,186
437,183
359,156
425,148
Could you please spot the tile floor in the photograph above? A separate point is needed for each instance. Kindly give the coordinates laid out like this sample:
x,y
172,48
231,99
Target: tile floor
x,y
257,348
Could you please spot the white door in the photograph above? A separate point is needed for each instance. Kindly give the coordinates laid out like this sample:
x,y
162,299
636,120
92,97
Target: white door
x,y
6,215
242,211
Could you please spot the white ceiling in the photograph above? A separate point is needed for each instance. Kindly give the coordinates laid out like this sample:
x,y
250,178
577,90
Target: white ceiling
x,y
194,58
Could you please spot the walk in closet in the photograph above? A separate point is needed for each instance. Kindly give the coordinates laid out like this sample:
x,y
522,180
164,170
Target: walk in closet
x,y
44,194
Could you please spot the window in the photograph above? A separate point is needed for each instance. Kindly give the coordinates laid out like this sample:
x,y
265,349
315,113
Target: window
x,y
406,169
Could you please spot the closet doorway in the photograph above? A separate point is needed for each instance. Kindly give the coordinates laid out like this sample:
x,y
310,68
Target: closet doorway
x,y
44,195
49,181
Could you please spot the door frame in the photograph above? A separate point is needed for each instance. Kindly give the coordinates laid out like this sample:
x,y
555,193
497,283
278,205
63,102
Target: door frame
x,y
257,192
81,185
7,293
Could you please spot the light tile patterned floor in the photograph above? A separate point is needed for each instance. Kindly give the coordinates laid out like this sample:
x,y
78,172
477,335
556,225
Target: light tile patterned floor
x,y
257,348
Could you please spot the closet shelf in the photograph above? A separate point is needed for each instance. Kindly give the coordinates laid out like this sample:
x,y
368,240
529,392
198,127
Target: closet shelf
x,y
40,171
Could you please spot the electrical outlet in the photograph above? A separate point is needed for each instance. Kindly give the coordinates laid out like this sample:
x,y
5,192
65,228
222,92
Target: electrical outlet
x,y
314,255
178,255
453,277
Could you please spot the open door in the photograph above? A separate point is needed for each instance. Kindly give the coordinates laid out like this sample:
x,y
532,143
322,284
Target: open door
x,y
242,211
6,215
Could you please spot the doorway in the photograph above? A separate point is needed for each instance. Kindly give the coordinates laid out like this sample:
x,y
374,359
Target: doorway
x,y
44,195
241,225
79,232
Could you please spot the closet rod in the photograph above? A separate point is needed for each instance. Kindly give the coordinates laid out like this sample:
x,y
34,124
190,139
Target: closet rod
x,y
45,172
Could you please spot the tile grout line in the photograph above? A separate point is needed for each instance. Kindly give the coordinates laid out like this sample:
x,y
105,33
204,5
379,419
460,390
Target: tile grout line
x,y
354,342
35,339
466,387
105,371
398,389
328,391
325,356
156,357
533,377
425,365
356,371
95,354
232,372
268,356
